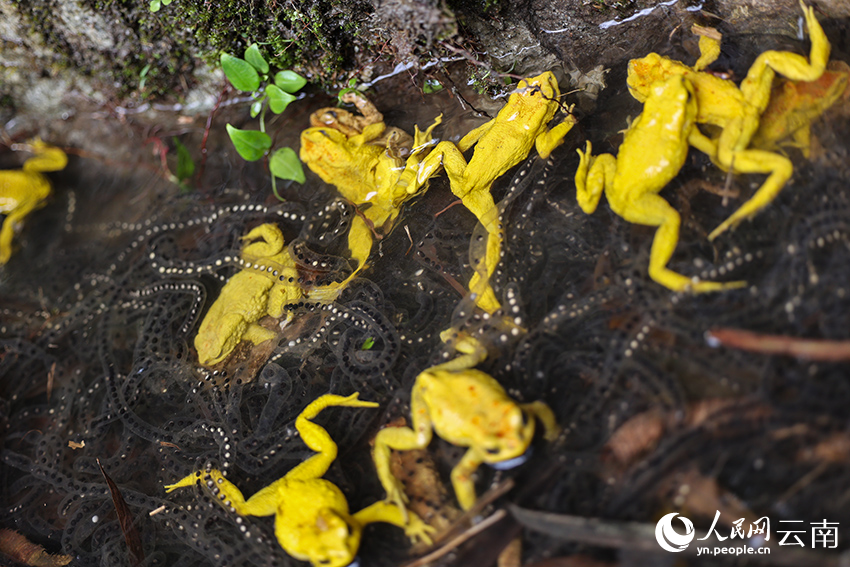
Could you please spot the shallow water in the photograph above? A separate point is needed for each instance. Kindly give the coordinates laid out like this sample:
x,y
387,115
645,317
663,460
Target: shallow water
x,y
102,302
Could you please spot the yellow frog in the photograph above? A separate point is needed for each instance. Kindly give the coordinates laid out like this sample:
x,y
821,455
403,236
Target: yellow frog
x,y
469,408
736,111
499,144
24,190
794,105
312,520
372,166
249,296
653,151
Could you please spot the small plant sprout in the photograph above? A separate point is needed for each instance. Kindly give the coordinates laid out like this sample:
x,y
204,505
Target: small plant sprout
x,y
252,75
155,5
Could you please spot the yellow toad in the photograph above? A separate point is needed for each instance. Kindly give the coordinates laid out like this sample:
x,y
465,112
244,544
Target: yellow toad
x,y
653,151
24,190
736,111
371,165
794,105
312,520
249,296
469,408
499,144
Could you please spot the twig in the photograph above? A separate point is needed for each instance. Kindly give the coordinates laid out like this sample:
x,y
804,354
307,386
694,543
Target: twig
x,y
454,543
809,349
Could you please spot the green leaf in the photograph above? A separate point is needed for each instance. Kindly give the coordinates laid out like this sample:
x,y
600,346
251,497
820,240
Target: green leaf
x,y
368,344
166,2
143,76
255,58
185,164
256,107
345,91
289,81
250,144
155,6
285,164
431,86
278,99
240,73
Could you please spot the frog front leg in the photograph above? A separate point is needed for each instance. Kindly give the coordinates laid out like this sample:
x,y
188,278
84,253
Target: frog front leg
x,y
402,439
551,139
388,512
264,503
317,438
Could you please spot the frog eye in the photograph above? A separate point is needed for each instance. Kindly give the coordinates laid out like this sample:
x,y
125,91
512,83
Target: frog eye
x,y
325,134
492,450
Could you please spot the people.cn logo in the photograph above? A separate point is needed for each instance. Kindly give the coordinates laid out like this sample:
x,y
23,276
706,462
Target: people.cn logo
x,y
671,540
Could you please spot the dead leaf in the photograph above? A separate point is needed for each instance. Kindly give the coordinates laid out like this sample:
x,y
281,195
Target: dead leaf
x,y
698,495
125,519
75,445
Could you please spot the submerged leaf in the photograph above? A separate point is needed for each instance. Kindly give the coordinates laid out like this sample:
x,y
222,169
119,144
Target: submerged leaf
x,y
125,519
185,164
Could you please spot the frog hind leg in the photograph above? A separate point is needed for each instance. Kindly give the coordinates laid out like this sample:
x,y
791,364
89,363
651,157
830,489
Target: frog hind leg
x,y
7,233
388,512
709,51
46,158
779,169
462,482
591,177
317,438
257,334
479,284
402,439
544,413
265,241
263,503
651,209
757,85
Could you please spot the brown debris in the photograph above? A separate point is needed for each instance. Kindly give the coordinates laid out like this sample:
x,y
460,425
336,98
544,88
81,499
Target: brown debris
x,y
22,550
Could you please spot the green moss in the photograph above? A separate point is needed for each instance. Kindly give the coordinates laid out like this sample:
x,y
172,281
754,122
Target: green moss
x,y
292,34
120,60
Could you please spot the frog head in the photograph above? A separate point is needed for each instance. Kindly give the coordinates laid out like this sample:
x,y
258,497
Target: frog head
x,y
533,103
646,71
543,84
332,541
337,119
215,342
